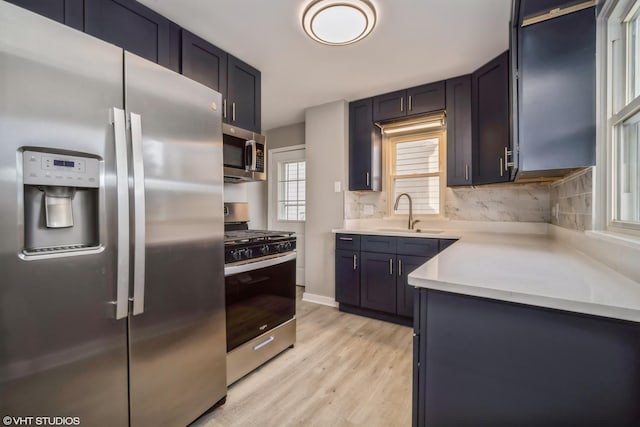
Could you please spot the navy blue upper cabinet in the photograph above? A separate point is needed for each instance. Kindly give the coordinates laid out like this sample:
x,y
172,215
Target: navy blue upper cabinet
x,y
415,100
204,63
243,90
426,98
365,147
556,93
536,7
238,82
459,141
69,12
389,106
490,121
132,26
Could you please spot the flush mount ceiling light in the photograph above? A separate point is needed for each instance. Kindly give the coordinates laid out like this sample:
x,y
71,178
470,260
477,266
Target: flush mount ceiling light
x,y
338,22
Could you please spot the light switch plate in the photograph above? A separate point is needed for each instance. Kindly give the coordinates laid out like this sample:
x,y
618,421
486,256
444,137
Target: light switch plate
x,y
337,186
368,209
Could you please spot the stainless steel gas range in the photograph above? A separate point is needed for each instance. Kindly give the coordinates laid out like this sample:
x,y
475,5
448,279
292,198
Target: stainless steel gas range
x,y
260,277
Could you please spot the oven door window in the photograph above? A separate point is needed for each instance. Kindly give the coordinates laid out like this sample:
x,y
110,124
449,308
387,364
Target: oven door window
x,y
234,151
259,300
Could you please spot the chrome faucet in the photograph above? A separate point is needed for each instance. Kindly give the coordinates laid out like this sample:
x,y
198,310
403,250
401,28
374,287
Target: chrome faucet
x,y
411,223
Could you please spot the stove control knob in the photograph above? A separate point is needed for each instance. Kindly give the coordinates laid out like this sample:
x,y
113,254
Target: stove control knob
x,y
236,254
248,253
264,250
287,246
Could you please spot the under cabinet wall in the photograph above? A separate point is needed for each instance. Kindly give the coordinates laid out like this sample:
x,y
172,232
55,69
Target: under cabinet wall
x,y
572,201
505,202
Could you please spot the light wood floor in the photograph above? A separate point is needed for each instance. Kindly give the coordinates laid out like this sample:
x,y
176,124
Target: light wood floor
x,y
344,370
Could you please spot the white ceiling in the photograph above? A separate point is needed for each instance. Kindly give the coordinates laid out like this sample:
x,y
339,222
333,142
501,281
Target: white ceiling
x,y
414,42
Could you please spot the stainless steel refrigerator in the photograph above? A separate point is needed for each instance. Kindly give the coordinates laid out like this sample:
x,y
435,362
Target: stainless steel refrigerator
x,y
111,232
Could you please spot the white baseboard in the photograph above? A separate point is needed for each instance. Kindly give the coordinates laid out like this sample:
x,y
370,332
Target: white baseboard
x,y
319,299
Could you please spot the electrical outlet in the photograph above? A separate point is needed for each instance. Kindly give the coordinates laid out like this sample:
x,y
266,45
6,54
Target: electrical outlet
x,y
337,186
368,210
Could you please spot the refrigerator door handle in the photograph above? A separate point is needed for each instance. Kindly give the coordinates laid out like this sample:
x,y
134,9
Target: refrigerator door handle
x,y
122,188
138,214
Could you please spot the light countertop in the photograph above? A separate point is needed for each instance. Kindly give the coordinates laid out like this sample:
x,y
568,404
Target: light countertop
x,y
534,269
530,269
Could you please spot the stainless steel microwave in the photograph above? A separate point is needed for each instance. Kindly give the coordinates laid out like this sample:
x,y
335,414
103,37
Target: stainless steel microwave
x,y
244,154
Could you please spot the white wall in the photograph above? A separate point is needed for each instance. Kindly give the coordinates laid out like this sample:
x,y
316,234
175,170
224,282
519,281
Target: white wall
x,y
326,138
285,136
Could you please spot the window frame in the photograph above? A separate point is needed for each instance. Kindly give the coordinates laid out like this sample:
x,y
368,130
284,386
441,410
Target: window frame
x,y
613,107
390,143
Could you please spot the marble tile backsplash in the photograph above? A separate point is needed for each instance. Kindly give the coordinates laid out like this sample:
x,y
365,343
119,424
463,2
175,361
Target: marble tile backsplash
x,y
515,202
571,201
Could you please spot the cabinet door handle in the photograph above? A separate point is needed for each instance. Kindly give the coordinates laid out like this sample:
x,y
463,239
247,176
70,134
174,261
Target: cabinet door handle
x,y
390,267
466,172
348,239
401,104
399,267
233,111
368,179
501,167
224,108
355,262
410,103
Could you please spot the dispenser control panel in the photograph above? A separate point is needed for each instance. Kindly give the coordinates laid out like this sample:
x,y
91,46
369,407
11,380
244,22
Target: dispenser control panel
x,y
60,169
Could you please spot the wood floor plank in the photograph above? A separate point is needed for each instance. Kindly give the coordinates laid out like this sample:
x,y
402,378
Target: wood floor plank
x,y
344,371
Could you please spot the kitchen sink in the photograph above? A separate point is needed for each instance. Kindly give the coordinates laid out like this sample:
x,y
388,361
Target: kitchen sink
x,y
404,230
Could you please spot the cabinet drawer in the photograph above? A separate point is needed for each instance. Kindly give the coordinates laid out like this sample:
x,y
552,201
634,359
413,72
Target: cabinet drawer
x,y
417,246
445,243
349,242
383,244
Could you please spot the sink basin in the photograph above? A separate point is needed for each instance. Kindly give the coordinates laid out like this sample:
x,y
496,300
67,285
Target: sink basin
x,y
404,230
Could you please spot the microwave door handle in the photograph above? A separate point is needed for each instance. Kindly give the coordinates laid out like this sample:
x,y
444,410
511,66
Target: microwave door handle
x,y
247,156
251,164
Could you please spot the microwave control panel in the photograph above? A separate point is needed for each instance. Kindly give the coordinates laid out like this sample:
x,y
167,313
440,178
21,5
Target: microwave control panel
x,y
259,157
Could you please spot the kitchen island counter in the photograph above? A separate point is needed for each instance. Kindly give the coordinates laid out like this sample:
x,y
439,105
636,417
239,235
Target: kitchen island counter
x,y
530,269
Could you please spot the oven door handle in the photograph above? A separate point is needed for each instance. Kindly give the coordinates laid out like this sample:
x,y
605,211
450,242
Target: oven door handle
x,y
242,268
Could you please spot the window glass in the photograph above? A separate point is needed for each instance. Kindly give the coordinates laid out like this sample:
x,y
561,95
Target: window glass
x,y
416,169
291,191
633,56
627,178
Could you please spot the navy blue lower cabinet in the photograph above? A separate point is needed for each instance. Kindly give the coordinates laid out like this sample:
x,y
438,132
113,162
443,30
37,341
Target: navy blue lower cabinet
x,y
371,274
404,291
378,282
482,362
348,277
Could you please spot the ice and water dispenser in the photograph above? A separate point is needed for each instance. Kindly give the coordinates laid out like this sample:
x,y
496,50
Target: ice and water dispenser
x,y
60,202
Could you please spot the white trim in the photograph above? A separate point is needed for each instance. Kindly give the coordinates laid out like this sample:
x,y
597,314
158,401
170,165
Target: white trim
x,y
289,148
599,208
619,239
612,108
319,299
